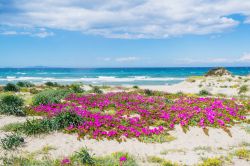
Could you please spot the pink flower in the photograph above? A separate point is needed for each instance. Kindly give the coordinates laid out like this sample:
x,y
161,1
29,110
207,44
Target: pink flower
x,y
65,161
123,158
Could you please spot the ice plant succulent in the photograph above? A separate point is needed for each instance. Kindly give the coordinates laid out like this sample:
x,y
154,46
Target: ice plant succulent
x,y
132,115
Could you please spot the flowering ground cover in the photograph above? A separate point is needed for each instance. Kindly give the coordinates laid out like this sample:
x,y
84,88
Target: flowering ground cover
x,y
136,115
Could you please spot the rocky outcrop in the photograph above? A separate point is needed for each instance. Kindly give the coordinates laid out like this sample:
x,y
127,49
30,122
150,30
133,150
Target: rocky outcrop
x,y
219,71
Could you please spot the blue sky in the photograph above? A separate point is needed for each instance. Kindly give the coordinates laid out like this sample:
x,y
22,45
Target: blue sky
x,y
124,33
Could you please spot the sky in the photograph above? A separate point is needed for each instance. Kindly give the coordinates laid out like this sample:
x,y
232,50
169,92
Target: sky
x,y
124,33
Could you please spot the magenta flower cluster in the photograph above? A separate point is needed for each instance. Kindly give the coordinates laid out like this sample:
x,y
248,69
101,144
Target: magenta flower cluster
x,y
132,115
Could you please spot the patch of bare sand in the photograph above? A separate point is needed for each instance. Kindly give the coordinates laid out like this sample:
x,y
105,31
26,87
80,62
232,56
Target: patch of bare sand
x,y
180,150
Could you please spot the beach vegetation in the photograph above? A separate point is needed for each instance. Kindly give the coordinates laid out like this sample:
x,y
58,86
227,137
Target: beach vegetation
x,y
12,127
216,161
161,161
243,153
84,157
11,87
52,84
51,96
25,84
96,89
76,88
243,89
12,141
149,116
11,105
148,92
136,87
204,92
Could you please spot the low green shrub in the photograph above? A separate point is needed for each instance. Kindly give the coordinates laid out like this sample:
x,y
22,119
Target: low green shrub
x,y
46,125
212,162
96,89
114,160
148,92
11,87
11,105
65,119
243,153
12,127
84,157
51,84
136,87
204,93
12,141
36,126
243,89
76,88
34,91
25,84
50,96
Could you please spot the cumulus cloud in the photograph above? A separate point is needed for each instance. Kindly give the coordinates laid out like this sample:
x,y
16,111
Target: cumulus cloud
x,y
129,19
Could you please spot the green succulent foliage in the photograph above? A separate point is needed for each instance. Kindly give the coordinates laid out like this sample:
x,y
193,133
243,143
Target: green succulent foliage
x,y
11,105
97,90
46,125
11,87
52,84
204,93
50,96
65,119
76,88
12,141
84,157
148,92
25,84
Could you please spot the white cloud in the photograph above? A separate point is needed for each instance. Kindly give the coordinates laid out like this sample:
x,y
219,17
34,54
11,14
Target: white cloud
x,y
126,59
41,33
119,59
130,19
245,58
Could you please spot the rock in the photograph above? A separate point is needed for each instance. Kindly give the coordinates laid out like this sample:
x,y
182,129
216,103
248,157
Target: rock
x,y
219,71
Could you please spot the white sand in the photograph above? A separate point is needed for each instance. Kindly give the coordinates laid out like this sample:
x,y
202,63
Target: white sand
x,y
215,85
180,150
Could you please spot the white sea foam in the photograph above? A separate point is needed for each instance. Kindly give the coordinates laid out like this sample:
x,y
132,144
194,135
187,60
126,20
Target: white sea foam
x,y
97,79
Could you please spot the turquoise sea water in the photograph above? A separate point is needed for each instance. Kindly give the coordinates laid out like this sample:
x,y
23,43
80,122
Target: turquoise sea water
x,y
109,76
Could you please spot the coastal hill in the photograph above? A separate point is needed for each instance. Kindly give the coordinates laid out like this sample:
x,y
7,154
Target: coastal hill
x,y
219,71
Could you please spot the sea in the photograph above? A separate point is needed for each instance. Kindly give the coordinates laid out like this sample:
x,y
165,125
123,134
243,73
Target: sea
x,y
108,76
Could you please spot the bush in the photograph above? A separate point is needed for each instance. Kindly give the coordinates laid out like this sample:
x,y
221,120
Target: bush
x,y
243,89
11,105
39,126
136,87
11,141
25,84
11,87
148,92
212,162
76,88
50,96
97,90
34,91
243,153
65,119
204,93
53,84
36,126
84,157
